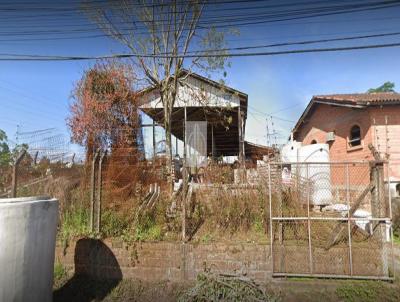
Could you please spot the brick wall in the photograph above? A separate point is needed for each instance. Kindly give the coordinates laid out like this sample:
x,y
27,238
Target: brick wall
x,y
177,262
328,118
380,125
164,261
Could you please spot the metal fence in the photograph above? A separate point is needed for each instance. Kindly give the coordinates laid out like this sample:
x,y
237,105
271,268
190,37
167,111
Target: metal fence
x,y
325,219
331,220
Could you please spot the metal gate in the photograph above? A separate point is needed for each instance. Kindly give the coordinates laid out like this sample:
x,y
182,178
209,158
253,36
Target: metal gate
x,y
331,220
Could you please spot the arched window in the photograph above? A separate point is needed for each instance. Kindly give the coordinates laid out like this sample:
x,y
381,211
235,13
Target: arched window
x,y
313,142
355,136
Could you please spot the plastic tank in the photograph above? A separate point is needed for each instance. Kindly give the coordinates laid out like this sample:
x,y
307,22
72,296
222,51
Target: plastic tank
x,y
28,229
318,174
289,151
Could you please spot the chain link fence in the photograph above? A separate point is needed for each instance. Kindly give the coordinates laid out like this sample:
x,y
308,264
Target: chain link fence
x,y
324,219
330,219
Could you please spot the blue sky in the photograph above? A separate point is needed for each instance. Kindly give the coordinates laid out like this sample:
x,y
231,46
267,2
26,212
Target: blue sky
x,y
35,95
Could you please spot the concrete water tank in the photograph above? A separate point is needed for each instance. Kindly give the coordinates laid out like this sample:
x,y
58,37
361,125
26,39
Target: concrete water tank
x,y
28,227
317,172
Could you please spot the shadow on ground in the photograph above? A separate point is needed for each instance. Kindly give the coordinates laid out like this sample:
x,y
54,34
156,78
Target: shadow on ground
x,y
97,273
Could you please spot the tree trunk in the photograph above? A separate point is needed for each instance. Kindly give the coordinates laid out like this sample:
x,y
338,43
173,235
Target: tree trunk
x,y
168,140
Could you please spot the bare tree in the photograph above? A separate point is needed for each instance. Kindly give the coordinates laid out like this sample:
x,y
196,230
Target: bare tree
x,y
168,30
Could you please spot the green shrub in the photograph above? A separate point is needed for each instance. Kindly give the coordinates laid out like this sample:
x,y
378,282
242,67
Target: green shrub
x,y
114,224
60,272
74,223
147,228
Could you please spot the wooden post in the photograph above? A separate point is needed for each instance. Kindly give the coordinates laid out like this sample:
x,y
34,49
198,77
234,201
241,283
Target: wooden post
x,y
154,141
185,179
35,158
93,190
99,191
212,143
378,206
241,157
242,140
14,182
176,146
240,136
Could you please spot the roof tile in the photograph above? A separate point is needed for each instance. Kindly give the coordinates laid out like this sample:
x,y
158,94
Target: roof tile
x,y
376,97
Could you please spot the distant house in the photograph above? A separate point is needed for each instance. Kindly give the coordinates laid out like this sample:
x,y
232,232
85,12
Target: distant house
x,y
219,111
350,122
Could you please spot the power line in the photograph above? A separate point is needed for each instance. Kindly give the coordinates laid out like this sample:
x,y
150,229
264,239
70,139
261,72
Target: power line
x,y
232,20
30,57
305,42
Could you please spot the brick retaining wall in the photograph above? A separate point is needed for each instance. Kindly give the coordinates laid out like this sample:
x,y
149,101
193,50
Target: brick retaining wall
x,y
173,261
159,261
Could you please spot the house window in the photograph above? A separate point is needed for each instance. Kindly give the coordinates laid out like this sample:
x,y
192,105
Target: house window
x,y
313,142
355,136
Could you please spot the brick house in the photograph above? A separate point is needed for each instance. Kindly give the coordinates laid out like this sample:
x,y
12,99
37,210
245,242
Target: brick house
x,y
350,122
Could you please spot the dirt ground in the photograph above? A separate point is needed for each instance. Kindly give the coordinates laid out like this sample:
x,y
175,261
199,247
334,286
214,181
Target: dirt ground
x,y
287,290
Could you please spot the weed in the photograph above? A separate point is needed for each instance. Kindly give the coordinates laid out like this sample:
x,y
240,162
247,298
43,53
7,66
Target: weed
x,y
206,238
74,223
258,225
60,272
148,233
114,224
235,210
364,291
396,238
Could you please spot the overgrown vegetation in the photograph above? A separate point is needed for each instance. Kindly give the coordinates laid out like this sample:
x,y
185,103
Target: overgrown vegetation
x,y
74,223
60,274
231,213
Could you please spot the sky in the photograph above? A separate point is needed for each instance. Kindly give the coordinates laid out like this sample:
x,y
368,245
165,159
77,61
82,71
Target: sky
x,y
36,95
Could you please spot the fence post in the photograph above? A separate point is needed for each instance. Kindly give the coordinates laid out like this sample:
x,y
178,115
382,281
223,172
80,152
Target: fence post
x,y
185,176
310,258
93,190
349,219
377,194
378,191
14,182
99,191
271,234
282,253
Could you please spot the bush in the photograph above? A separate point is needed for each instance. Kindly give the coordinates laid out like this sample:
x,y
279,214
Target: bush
x,y
74,223
114,224
147,228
